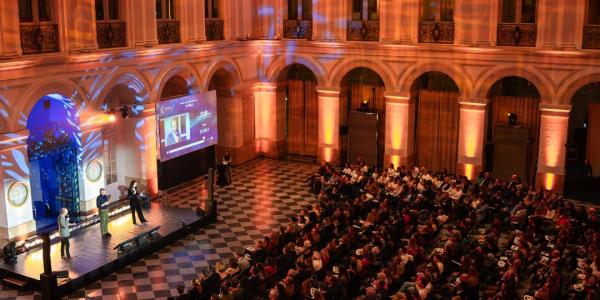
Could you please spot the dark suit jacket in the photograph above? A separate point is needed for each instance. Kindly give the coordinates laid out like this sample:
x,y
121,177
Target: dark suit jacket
x,y
133,197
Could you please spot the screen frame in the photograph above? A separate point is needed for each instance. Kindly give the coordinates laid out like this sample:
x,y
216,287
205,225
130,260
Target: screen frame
x,y
159,133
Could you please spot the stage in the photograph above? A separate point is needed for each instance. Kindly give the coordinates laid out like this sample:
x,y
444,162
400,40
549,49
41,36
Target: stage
x,y
95,257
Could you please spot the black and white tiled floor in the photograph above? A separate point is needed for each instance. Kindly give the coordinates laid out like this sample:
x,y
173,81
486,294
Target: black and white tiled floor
x,y
263,194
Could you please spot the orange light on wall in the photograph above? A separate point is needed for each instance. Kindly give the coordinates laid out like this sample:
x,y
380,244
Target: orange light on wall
x,y
553,136
395,159
328,123
397,118
549,181
469,170
150,154
472,124
327,154
265,105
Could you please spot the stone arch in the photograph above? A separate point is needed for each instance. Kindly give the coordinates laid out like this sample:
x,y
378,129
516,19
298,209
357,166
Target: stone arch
x,y
409,77
570,89
32,93
185,71
489,78
225,64
276,67
128,77
344,67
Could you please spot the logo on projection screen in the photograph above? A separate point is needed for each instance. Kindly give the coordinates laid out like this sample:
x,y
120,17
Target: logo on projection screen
x,y
187,124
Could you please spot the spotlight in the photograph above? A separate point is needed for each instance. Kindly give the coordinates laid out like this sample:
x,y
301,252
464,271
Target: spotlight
x,y
124,112
512,119
10,253
112,118
364,105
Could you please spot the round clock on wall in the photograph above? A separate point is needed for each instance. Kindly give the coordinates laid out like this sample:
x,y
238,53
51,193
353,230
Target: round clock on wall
x,y
17,193
93,171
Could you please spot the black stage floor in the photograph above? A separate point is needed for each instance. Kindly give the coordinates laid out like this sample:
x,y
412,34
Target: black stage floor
x,y
94,257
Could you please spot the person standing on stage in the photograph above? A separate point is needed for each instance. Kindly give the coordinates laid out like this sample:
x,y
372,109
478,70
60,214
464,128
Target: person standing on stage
x,y
65,233
134,202
102,205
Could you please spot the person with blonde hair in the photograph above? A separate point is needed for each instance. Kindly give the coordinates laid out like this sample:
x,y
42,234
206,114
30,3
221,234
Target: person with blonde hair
x,y
64,232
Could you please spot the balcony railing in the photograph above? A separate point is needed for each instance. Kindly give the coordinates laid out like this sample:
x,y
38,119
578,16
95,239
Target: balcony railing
x,y
297,29
523,35
436,32
591,37
362,30
168,31
213,29
110,34
39,38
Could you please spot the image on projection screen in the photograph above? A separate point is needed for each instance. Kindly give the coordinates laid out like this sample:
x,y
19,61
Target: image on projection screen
x,y
187,124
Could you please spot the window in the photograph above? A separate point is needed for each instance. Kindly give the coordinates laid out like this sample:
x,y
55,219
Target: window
x,y
35,11
211,9
302,8
107,10
518,11
593,13
438,10
110,159
365,10
165,9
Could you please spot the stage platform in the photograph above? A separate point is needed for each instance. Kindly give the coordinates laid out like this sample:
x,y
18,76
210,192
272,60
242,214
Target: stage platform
x,y
95,257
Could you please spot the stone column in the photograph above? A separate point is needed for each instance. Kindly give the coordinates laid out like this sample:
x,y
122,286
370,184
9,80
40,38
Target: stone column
x,y
328,124
471,137
399,129
389,12
554,126
191,17
269,118
16,219
10,39
80,25
329,20
141,23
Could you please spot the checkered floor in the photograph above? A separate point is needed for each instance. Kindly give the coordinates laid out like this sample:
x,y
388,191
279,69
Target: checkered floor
x,y
263,194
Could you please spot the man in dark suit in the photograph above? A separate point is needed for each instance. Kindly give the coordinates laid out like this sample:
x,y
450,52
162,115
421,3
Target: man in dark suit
x,y
173,137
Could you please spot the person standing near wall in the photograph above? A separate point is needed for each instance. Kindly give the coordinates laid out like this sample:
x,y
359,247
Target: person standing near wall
x,y
65,233
102,205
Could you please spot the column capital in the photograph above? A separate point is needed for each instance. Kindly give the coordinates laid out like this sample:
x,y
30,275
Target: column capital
x,y
264,86
397,97
472,103
328,91
555,109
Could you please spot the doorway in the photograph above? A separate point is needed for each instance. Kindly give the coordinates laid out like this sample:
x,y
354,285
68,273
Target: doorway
x,y
53,149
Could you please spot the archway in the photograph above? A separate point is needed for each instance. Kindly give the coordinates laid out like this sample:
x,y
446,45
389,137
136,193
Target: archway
x,y
230,108
361,99
297,94
583,144
437,115
174,87
53,149
512,145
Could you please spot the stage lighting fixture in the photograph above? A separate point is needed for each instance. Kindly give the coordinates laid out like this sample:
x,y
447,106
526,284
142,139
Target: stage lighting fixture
x,y
364,105
124,112
10,252
512,119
